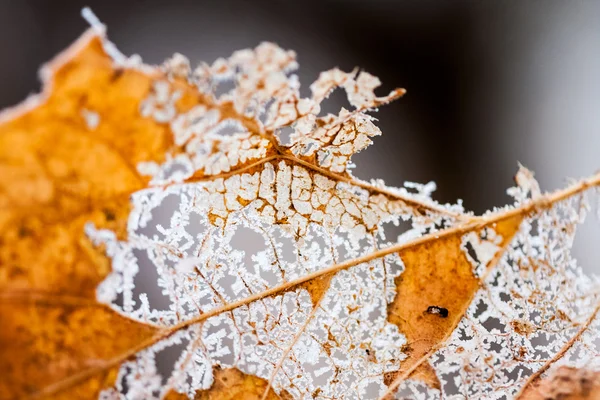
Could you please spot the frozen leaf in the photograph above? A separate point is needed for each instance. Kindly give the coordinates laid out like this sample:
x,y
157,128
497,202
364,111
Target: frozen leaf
x,y
436,288
274,273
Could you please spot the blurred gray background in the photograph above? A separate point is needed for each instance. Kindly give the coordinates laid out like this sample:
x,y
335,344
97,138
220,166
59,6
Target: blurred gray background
x,y
490,83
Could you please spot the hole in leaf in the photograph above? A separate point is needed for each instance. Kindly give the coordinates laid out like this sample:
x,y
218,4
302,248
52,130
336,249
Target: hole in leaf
x,y
471,252
147,281
161,215
284,135
264,114
249,242
167,358
176,171
334,102
223,87
586,245
228,127
397,231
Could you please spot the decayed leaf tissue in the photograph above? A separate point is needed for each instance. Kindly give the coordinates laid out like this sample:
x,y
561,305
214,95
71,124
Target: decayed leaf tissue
x,y
280,274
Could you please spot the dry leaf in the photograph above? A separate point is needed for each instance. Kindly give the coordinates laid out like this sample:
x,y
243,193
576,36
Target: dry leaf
x,y
436,288
272,258
232,384
57,173
566,384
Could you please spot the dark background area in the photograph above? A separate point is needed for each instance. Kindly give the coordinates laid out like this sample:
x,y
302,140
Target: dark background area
x,y
490,83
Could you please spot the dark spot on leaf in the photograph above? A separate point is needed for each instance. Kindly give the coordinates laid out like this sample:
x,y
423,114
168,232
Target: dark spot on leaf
x,y
24,232
109,215
116,74
441,311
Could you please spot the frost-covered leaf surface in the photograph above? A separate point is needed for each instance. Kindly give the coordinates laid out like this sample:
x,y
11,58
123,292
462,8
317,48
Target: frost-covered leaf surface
x,y
177,232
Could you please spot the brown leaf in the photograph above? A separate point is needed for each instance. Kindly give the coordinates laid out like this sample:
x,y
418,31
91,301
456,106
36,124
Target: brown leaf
x,y
72,159
435,290
566,383
57,173
46,343
424,373
232,384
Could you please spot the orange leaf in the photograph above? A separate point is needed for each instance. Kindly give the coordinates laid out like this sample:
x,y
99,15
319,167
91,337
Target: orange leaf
x,y
58,171
232,384
435,290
